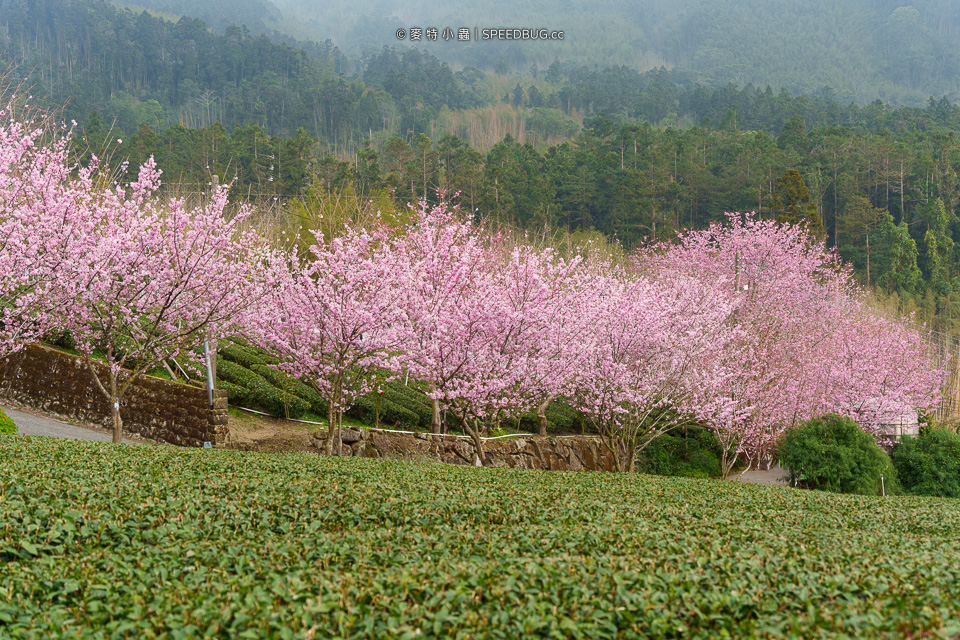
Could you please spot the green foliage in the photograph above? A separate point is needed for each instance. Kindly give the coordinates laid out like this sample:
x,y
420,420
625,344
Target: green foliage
x,y
243,355
690,452
791,201
561,419
63,339
833,453
262,394
284,381
898,266
938,248
366,409
929,465
6,424
550,123
236,395
408,399
230,544
248,379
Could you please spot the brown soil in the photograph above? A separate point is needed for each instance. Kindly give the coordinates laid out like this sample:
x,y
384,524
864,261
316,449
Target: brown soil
x,y
254,432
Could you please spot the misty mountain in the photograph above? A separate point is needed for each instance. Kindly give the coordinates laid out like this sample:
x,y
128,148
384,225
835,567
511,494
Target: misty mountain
x,y
861,49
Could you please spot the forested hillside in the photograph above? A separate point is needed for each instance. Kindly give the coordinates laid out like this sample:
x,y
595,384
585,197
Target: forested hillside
x,y
573,147
145,70
863,49
884,192
136,68
141,69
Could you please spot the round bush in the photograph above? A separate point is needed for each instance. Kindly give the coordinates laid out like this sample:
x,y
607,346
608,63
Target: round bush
x,y
832,453
6,424
930,464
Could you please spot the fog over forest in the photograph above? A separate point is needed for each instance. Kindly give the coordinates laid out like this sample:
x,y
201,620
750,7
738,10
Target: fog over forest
x,y
896,51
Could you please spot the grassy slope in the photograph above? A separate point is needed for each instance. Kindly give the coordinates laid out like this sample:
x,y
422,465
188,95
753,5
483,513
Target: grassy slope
x,y
155,541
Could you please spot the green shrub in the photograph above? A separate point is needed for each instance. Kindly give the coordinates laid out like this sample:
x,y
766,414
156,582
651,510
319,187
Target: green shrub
x,y
929,465
365,409
283,380
263,394
236,395
409,398
691,452
63,339
7,425
833,453
264,355
561,418
244,356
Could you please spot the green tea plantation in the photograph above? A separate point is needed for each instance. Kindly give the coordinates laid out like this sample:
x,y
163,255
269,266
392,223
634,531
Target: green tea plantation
x,y
116,541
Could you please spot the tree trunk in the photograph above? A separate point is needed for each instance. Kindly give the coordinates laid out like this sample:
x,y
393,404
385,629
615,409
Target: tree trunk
x,y
435,420
473,430
618,454
339,433
173,375
727,460
612,443
115,420
631,453
110,393
331,428
542,416
115,408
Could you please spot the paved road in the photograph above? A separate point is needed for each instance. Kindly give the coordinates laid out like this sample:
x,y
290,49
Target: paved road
x,y
773,476
34,425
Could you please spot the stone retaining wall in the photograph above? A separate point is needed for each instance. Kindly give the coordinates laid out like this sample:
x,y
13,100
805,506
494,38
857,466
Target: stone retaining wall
x,y
525,452
60,384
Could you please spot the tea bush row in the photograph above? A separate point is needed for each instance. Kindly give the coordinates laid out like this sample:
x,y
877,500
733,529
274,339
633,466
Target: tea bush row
x,y
101,540
400,405
261,392
285,381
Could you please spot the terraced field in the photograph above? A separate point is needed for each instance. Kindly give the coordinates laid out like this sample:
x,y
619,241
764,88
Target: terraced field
x,y
101,540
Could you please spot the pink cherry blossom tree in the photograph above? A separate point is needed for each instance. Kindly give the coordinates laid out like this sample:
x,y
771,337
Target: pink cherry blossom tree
x,y
154,279
44,221
882,370
524,348
804,346
450,307
333,317
645,372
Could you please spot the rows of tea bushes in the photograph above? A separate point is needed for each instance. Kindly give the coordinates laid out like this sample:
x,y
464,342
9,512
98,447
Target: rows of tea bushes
x,y
100,540
244,371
